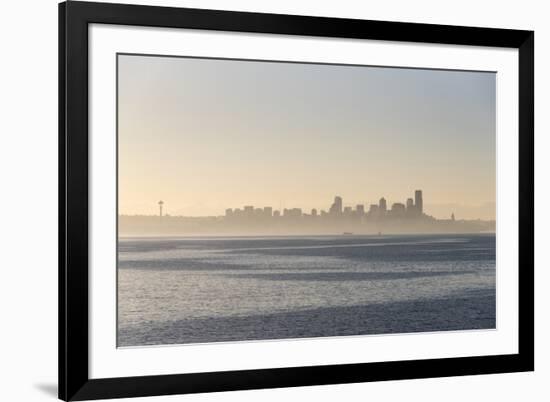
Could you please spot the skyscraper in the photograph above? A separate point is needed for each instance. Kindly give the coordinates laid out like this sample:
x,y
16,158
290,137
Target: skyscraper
x,y
336,207
382,206
411,210
418,202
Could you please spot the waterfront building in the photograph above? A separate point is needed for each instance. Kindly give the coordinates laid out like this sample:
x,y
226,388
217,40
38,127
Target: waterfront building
x,y
418,203
373,211
382,206
398,209
336,207
292,212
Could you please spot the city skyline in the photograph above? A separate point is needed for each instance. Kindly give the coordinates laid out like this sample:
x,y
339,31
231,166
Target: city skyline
x,y
487,211
411,208
380,217
283,134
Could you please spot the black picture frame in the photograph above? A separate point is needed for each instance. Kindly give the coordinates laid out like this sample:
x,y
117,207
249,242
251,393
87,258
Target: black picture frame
x,y
74,381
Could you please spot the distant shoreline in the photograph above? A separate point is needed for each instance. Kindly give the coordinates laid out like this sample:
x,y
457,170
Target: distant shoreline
x,y
334,225
260,235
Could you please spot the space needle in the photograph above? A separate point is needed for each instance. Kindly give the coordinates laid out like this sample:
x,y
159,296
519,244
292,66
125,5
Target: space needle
x,y
161,203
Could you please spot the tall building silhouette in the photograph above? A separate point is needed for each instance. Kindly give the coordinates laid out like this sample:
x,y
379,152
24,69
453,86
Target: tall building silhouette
x,y
336,207
418,202
382,206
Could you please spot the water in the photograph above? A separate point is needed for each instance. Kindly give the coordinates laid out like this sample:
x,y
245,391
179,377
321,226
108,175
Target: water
x,y
188,290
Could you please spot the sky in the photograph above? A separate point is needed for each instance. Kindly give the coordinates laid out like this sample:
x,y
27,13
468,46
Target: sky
x,y
204,135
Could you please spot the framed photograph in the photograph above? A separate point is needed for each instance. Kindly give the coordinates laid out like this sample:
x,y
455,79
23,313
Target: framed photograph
x,y
257,200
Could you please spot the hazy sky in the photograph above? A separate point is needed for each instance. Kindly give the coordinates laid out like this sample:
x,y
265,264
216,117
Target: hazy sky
x,y
205,135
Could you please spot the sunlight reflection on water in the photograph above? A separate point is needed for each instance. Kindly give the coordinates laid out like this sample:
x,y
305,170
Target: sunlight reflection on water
x,y
190,289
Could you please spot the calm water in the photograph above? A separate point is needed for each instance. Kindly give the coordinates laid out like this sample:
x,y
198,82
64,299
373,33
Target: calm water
x,y
185,290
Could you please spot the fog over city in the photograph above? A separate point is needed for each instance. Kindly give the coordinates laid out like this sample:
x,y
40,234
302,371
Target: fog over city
x,y
272,200
267,146
408,217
